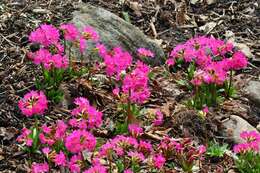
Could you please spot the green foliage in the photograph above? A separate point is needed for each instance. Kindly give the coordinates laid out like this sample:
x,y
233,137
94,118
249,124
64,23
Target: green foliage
x,y
248,162
216,150
121,128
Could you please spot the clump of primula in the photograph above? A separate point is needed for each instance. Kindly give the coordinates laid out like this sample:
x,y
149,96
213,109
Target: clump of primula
x,y
134,90
54,43
52,59
211,64
33,103
63,144
183,152
248,155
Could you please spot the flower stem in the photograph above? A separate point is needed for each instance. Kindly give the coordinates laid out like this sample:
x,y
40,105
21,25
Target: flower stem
x,y
229,84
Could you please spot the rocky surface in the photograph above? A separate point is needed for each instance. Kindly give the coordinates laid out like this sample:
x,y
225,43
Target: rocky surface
x,y
234,126
114,31
253,92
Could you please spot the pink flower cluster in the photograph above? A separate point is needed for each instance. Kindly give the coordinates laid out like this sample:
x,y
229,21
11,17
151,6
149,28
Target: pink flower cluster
x,y
33,103
25,137
135,84
51,53
158,119
116,61
74,139
143,52
40,167
138,152
135,130
213,57
252,142
80,140
89,117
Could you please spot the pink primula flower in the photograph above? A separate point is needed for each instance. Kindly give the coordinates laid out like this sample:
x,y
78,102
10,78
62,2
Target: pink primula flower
x,y
33,103
135,130
60,159
40,167
87,112
158,161
159,118
45,35
136,84
71,33
90,33
80,140
143,52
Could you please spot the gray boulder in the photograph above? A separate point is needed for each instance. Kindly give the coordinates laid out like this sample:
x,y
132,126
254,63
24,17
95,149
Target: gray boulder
x,y
253,92
114,31
234,126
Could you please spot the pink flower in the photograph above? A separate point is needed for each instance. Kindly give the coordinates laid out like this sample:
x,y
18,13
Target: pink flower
x,y
24,137
45,35
116,91
40,56
128,171
46,129
71,33
170,62
238,61
73,164
90,33
250,136
135,130
82,45
143,52
135,156
116,61
46,151
40,167
159,118
101,49
96,169
60,159
80,140
145,147
57,61
60,130
87,112
158,161
202,149
136,84
33,103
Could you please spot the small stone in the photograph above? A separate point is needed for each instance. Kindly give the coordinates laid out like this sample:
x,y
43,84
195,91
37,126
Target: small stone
x,y
253,92
234,126
114,31
258,127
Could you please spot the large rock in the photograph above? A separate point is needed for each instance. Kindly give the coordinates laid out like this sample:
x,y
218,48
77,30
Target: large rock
x,y
253,92
114,31
234,126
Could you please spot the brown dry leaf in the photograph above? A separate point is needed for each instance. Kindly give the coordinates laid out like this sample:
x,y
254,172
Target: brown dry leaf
x,y
8,133
85,83
153,136
166,108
